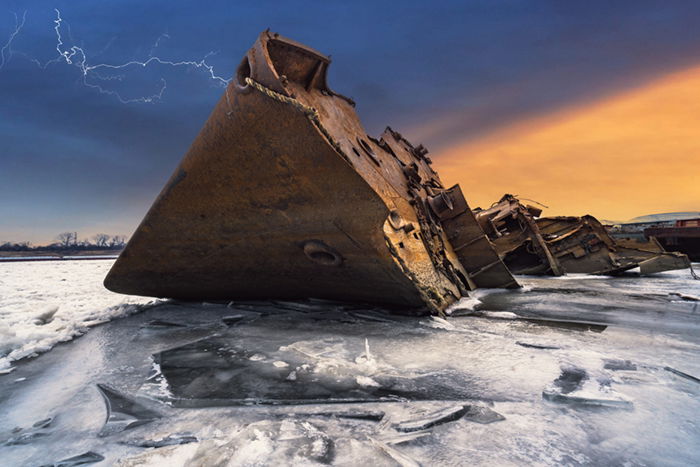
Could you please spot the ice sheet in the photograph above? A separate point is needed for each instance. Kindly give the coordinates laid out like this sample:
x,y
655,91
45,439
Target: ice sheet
x,y
620,335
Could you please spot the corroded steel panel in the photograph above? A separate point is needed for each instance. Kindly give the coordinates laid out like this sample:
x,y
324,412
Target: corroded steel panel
x,y
512,229
556,245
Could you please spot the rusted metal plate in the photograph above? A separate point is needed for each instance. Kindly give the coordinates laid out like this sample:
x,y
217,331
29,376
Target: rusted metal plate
x,y
512,229
474,249
556,245
284,195
582,244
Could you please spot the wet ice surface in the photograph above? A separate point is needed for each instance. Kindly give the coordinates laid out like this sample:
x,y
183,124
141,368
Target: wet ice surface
x,y
570,371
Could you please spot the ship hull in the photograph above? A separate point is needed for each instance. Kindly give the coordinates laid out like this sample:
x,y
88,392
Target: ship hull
x,y
283,195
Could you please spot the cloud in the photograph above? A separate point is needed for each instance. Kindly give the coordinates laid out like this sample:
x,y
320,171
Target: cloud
x,y
630,154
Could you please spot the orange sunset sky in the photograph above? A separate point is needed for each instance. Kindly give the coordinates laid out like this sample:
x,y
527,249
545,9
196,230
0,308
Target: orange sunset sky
x,y
626,155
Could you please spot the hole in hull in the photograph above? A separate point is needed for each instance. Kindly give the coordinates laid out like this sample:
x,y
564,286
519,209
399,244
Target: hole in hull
x,y
320,253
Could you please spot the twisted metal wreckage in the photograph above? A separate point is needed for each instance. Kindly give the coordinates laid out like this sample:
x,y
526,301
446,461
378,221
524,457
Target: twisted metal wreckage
x,y
283,195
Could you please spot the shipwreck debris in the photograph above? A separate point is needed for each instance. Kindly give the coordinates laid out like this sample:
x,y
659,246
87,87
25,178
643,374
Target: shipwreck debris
x,y
530,244
683,236
283,195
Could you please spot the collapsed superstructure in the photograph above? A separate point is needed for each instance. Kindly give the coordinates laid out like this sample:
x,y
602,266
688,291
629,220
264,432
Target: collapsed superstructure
x,y
529,244
284,195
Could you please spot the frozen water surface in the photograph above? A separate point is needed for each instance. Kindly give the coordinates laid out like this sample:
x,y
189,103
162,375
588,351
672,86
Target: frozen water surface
x,y
578,370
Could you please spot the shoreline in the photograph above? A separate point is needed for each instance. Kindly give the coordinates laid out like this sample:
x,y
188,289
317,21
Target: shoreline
x,y
20,259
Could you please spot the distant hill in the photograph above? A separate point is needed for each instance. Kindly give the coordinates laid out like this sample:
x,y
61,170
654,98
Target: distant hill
x,y
668,216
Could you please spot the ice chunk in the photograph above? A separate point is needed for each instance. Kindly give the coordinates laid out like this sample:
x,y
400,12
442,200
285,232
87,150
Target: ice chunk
x,y
564,324
45,316
122,412
482,414
366,381
573,399
398,438
619,365
575,387
374,416
398,456
682,375
25,438
438,323
30,434
269,443
170,440
537,346
43,423
162,324
439,417
82,459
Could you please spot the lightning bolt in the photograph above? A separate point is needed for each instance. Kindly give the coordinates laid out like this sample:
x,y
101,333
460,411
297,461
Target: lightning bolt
x,y
75,55
94,75
8,45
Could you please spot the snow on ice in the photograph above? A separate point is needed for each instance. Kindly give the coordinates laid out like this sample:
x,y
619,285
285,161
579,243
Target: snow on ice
x,y
597,371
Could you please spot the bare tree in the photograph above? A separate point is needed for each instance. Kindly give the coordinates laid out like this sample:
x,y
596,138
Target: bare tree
x,y
117,241
67,239
101,239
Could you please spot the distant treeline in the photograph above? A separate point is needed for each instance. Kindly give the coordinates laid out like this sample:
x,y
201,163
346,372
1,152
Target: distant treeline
x,y
68,241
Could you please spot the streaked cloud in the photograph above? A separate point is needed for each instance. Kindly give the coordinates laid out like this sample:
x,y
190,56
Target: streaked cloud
x,y
630,154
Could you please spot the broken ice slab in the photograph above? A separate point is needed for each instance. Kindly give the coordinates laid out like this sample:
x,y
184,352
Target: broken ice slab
x,y
218,371
566,324
369,415
399,438
28,435
682,375
43,423
122,412
581,400
474,413
82,459
402,459
162,324
271,443
615,364
25,438
537,346
482,414
574,387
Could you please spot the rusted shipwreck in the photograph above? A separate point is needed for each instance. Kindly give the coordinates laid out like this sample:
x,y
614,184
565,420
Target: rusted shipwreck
x,y
529,244
283,195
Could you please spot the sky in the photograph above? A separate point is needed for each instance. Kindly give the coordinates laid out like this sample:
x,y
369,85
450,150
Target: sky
x,y
587,107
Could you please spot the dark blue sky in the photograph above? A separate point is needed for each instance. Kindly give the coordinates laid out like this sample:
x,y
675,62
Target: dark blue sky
x,y
72,158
